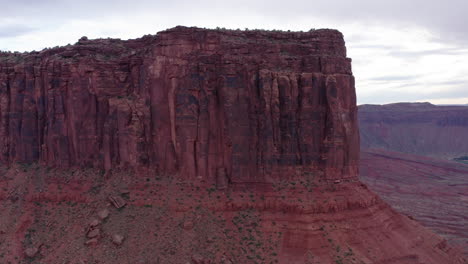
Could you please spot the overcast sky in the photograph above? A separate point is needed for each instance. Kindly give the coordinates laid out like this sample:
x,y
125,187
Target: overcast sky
x,y
402,50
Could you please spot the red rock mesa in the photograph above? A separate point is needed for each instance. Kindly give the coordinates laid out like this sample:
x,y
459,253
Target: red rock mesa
x,y
217,146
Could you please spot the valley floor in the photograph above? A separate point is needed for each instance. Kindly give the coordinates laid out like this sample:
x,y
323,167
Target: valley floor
x,y
432,191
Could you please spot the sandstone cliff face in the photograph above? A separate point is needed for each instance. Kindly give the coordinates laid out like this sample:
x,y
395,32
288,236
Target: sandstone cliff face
x,y
248,105
415,128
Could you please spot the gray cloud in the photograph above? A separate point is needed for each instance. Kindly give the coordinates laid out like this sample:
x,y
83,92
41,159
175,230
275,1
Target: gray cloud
x,y
361,45
8,31
413,85
422,53
446,20
394,78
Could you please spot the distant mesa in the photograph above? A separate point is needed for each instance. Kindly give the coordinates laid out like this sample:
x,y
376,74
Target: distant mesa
x,y
416,128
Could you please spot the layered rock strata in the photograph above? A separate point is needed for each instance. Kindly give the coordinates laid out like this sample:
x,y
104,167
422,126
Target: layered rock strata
x,y
247,105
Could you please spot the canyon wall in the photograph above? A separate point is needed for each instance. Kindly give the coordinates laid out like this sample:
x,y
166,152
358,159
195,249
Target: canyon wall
x,y
215,106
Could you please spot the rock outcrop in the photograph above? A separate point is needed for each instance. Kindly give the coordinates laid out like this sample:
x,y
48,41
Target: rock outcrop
x,y
415,128
249,106
208,146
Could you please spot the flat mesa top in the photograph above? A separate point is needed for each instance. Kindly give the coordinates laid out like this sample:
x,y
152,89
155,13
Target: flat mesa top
x,y
254,36
249,33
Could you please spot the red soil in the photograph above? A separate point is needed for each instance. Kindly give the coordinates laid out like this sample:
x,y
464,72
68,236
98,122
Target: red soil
x,y
169,220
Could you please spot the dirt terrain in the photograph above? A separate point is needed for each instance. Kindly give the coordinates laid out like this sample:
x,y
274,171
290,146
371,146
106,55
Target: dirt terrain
x,y
57,216
432,191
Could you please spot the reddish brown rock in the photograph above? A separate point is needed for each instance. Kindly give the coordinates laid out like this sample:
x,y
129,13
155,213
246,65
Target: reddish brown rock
x,y
117,239
93,233
187,225
199,259
117,201
94,222
103,214
225,260
91,242
210,239
187,101
31,252
291,223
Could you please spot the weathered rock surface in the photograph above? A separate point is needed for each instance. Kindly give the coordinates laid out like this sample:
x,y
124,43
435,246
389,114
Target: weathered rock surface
x,y
94,223
117,239
251,106
91,242
93,233
117,201
415,128
31,252
103,214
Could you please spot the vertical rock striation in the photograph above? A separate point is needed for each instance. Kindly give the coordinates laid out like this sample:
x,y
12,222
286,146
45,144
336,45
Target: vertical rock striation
x,y
245,106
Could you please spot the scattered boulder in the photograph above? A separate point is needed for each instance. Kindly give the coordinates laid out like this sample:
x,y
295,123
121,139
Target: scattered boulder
x,y
117,201
31,252
93,233
103,214
187,225
117,239
94,222
91,242
226,261
198,259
